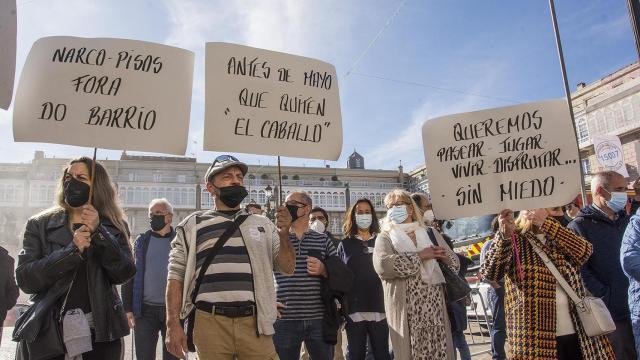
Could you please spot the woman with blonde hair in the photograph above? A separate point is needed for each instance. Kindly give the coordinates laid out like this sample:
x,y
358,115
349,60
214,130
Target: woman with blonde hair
x,y
406,260
74,254
537,308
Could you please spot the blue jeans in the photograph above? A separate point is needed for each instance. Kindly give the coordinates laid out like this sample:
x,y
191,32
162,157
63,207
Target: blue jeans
x,y
498,330
152,322
460,343
635,324
291,333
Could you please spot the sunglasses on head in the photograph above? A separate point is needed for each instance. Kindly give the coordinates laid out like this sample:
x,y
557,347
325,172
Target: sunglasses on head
x,y
224,159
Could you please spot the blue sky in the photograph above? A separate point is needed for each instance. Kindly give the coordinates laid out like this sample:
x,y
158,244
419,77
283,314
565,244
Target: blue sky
x,y
432,58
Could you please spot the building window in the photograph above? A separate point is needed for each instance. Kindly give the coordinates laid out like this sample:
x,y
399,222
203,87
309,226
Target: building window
x,y
182,178
157,177
296,177
132,177
285,177
586,166
583,131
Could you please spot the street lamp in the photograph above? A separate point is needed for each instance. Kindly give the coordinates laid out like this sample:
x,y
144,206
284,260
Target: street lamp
x,y
268,192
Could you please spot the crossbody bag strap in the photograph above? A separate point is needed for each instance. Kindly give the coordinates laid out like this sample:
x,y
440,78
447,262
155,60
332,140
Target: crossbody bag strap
x,y
556,273
214,251
66,297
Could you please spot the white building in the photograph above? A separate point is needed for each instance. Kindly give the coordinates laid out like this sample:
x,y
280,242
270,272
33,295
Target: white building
x,y
25,189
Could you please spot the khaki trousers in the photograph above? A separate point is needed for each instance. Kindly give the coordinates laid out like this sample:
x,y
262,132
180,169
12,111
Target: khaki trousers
x,y
220,337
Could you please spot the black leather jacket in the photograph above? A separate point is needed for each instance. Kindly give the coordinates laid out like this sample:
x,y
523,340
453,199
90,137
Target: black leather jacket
x,y
47,263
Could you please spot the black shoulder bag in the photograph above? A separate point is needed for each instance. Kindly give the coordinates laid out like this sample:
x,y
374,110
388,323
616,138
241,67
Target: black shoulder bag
x,y
455,287
203,269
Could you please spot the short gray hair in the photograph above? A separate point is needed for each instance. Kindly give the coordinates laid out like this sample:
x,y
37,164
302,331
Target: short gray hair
x,y
602,179
304,195
162,201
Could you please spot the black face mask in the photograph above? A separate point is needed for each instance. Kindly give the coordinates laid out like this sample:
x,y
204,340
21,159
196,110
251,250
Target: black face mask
x,y
232,195
157,222
76,193
293,210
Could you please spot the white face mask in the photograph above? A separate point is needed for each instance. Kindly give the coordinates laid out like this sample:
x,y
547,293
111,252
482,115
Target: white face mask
x,y
363,221
317,226
428,217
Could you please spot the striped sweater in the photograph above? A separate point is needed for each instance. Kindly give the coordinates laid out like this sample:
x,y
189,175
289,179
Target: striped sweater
x,y
301,293
228,280
262,243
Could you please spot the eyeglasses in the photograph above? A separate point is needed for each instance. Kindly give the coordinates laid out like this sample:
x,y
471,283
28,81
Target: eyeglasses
x,y
296,203
223,159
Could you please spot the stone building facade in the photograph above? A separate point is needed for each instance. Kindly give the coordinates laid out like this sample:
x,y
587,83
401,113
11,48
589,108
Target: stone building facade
x,y
26,189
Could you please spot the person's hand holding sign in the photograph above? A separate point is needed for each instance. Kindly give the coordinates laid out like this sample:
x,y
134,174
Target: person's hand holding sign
x,y
90,217
283,220
506,224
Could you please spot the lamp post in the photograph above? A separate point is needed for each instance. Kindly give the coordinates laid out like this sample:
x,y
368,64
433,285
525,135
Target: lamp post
x,y
268,192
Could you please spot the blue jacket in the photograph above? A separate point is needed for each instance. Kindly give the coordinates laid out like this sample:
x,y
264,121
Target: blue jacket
x,y
630,260
602,274
133,290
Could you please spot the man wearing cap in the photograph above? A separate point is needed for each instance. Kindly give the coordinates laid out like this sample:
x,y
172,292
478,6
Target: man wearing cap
x,y
233,307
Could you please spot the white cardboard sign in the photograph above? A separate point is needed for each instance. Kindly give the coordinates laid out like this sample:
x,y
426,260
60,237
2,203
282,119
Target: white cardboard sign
x,y
8,23
106,93
271,103
609,153
517,157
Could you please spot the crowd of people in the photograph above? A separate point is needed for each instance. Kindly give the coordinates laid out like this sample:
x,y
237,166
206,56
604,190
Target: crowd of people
x,y
229,283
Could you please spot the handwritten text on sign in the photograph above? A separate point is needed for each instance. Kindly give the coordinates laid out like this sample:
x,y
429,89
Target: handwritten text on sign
x,y
516,157
106,93
271,103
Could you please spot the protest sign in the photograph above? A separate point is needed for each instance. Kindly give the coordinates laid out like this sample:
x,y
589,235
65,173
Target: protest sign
x,y
8,45
106,93
516,157
609,153
271,103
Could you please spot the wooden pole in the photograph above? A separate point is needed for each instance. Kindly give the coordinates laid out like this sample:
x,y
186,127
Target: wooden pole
x,y
93,172
279,183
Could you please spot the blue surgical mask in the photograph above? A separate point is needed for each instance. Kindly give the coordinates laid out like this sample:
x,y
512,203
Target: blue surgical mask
x,y
618,201
398,214
363,221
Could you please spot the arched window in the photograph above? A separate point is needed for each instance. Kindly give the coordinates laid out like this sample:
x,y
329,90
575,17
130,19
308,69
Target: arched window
x,y
295,177
192,198
336,200
145,195
251,176
137,195
264,176
262,198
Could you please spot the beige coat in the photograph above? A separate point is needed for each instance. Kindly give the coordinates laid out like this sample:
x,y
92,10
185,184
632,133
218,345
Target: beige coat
x,y
395,294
